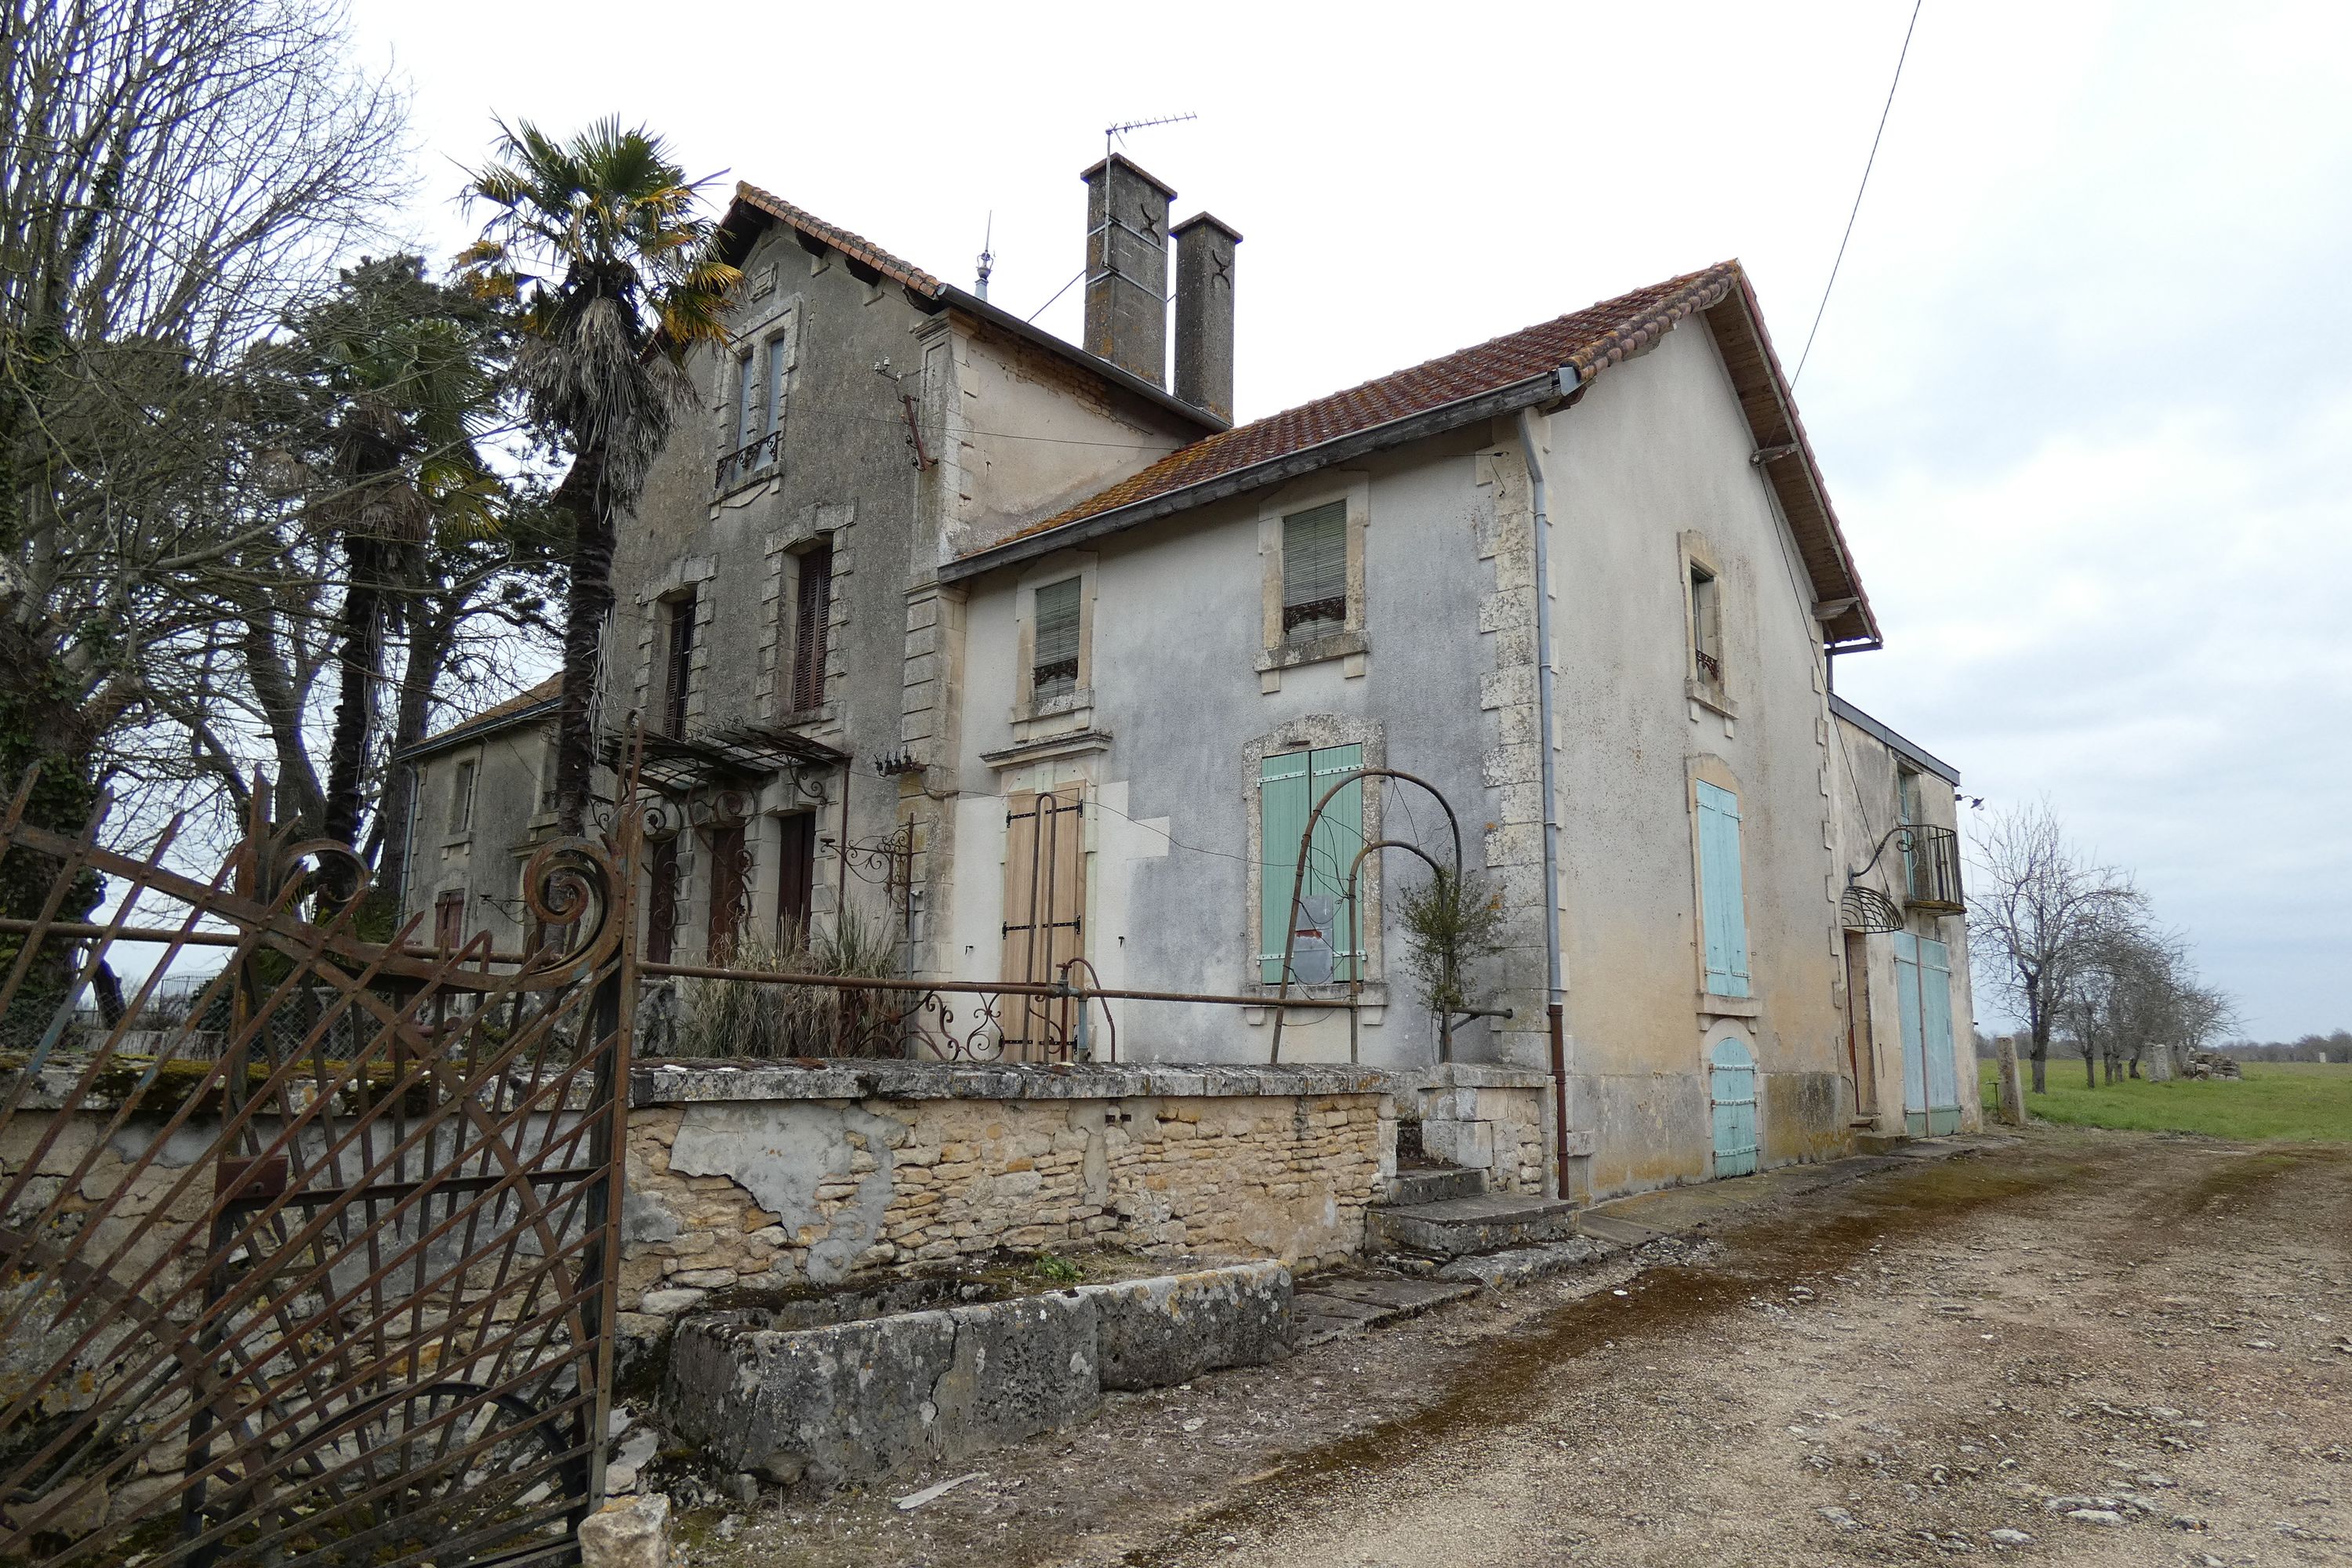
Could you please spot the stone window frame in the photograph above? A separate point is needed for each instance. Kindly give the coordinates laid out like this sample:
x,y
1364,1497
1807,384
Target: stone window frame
x,y
1308,732
1696,555
1352,643
1707,767
751,352
1074,709
682,572
780,598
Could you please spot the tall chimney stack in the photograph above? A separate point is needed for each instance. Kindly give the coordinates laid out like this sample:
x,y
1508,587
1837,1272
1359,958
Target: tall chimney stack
x,y
1204,314
1127,268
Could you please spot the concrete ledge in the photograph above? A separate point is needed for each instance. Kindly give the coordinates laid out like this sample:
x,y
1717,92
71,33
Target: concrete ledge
x,y
1152,1333
691,1082
1474,1075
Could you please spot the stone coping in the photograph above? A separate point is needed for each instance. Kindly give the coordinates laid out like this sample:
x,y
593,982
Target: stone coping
x,y
690,1082
1474,1075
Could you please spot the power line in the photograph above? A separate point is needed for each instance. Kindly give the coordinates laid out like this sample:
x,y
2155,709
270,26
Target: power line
x,y
1867,163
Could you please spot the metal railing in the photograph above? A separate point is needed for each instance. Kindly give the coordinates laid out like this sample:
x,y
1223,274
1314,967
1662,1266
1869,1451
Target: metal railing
x,y
746,460
1931,870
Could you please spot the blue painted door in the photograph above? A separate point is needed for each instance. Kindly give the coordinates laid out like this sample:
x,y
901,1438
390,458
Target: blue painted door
x,y
1923,990
1731,1086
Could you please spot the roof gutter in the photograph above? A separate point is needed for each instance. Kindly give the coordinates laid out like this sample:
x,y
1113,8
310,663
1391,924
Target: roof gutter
x,y
1471,410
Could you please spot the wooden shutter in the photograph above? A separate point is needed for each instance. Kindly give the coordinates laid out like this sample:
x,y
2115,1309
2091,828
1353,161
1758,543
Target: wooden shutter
x,y
1054,659
780,360
1723,909
1914,1055
1044,910
449,922
678,664
1289,786
795,878
727,888
1315,571
1936,1037
661,902
812,610
747,389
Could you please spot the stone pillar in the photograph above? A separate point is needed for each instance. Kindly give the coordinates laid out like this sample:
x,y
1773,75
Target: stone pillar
x,y
2012,1082
2159,1064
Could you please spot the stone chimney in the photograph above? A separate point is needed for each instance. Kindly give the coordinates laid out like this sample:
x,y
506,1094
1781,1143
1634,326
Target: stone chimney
x,y
1204,314
1127,269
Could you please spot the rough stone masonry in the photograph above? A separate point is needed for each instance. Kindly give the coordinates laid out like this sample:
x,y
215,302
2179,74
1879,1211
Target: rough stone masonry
x,y
781,1176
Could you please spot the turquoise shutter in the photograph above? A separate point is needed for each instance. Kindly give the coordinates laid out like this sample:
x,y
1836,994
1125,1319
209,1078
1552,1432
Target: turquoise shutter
x,y
1914,1056
1289,787
1723,909
1936,1037
1282,803
1339,836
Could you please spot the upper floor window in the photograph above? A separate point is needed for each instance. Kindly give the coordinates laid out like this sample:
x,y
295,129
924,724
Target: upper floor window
x,y
1055,662
461,797
811,614
1315,572
677,661
1706,625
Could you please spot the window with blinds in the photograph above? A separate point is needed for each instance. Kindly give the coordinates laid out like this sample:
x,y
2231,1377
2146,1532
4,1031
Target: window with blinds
x,y
1053,665
678,663
812,610
1315,572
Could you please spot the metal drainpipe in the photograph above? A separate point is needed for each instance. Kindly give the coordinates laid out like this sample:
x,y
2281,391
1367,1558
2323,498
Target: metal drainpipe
x,y
1552,991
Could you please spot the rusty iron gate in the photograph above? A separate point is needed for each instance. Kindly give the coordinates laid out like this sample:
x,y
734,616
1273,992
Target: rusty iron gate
x,y
316,1264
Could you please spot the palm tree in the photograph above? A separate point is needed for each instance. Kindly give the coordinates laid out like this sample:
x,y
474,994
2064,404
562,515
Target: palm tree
x,y
612,279
401,378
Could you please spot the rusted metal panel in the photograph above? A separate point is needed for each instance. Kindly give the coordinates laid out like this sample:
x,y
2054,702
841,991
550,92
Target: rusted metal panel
x,y
323,1271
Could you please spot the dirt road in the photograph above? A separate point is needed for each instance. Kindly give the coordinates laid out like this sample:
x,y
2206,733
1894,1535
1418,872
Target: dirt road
x,y
2126,1349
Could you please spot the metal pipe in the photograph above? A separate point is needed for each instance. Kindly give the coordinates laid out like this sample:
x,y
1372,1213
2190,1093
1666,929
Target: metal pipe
x,y
1548,742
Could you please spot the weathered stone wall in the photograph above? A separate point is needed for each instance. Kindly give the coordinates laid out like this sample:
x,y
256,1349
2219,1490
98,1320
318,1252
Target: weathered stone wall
x,y
1486,1118
783,1176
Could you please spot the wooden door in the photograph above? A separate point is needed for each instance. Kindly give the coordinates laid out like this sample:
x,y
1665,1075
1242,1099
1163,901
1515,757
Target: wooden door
x,y
1936,1037
1044,912
1861,1044
729,882
1731,1089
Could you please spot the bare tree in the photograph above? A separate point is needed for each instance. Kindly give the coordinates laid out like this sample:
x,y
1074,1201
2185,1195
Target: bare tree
x,y
2036,911
174,174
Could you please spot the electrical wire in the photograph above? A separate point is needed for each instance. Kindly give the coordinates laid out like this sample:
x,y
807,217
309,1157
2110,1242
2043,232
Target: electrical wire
x,y
1057,294
1866,166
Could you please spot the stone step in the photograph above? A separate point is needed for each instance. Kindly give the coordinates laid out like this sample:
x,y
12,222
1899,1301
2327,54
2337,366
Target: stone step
x,y
1880,1143
1435,1183
1454,1228
1324,1308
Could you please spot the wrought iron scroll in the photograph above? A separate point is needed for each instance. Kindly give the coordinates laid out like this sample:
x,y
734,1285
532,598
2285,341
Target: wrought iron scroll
x,y
336,1288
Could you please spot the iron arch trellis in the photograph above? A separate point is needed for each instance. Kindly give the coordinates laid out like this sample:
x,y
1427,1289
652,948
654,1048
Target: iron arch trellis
x,y
1299,884
363,1315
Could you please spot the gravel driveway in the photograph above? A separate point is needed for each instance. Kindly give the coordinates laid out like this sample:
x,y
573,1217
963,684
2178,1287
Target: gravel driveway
x,y
2085,1348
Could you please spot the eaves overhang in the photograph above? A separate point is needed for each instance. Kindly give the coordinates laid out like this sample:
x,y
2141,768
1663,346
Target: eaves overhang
x,y
471,730
1455,415
1893,742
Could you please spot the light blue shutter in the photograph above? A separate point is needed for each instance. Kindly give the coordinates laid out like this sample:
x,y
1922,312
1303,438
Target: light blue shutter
x,y
1289,787
1935,974
1914,1056
1282,803
1338,838
1723,910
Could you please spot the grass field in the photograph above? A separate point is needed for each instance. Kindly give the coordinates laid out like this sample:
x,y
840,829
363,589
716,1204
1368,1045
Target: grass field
x,y
2292,1101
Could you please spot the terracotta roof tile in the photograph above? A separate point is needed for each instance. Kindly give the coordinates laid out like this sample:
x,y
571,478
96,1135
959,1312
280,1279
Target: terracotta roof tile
x,y
855,247
1590,340
545,691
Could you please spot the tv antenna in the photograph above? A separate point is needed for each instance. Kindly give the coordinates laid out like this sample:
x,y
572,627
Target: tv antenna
x,y
1112,135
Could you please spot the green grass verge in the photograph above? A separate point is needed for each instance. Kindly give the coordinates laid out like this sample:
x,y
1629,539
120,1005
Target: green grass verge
x,y
2298,1102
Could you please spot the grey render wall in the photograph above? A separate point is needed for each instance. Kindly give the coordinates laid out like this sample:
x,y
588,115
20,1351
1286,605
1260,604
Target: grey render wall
x,y
1176,633
1008,431
1659,447
485,862
1863,769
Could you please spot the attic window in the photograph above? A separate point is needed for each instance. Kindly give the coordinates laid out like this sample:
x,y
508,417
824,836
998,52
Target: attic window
x,y
1315,572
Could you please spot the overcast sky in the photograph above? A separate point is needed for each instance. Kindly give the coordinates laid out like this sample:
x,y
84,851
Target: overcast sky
x,y
2082,395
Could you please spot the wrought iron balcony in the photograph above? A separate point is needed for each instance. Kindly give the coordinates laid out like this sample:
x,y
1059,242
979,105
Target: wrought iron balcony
x,y
1931,870
743,462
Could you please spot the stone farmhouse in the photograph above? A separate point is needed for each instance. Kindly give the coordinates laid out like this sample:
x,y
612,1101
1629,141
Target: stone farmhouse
x,y
1020,652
